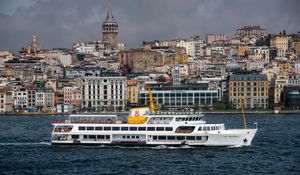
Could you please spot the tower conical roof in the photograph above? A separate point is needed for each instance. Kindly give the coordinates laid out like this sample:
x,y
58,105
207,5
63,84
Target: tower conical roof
x,y
109,16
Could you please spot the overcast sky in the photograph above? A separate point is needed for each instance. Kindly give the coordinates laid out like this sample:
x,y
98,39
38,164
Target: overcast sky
x,y
59,23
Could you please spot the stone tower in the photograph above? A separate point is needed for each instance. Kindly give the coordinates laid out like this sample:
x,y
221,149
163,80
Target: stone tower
x,y
110,30
34,47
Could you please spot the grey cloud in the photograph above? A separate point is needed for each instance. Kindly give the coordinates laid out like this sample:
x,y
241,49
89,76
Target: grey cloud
x,y
59,23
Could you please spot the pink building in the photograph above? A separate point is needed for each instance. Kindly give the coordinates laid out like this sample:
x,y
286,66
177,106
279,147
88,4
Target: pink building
x,y
72,95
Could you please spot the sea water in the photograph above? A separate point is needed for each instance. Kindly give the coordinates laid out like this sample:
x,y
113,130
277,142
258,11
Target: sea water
x,y
25,149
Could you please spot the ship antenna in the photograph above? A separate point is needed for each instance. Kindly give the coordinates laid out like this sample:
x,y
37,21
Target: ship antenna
x,y
243,112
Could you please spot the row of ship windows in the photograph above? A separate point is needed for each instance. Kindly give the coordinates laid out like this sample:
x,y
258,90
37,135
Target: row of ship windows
x,y
107,128
189,119
209,128
178,137
92,136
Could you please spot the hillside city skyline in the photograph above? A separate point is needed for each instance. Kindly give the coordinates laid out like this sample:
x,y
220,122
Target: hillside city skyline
x,y
252,68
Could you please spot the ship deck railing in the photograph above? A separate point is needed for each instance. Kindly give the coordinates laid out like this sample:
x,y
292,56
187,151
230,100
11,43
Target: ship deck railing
x,y
90,122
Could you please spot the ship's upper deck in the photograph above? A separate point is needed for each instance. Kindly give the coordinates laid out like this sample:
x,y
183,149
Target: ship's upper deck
x,y
152,118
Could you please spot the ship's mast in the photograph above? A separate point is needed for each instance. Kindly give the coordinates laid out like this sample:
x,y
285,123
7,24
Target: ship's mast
x,y
243,112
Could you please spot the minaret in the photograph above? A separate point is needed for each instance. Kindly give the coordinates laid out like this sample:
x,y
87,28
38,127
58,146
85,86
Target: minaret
x,y
110,30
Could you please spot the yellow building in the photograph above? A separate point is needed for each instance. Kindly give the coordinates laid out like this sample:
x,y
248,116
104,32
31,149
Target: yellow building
x,y
280,82
252,89
296,46
284,67
242,50
281,42
133,91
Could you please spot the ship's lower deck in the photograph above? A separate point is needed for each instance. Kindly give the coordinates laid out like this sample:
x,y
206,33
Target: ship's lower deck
x,y
240,137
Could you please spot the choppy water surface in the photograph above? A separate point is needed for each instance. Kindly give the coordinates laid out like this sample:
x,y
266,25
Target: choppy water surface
x,y
25,149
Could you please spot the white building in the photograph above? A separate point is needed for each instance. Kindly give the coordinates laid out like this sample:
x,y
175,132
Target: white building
x,y
104,92
21,100
260,53
255,65
65,59
297,67
193,47
44,99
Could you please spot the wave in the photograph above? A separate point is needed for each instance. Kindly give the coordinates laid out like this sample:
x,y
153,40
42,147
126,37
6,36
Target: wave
x,y
24,144
235,146
147,147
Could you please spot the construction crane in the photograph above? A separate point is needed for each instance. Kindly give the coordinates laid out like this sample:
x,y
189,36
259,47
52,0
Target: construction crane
x,y
151,100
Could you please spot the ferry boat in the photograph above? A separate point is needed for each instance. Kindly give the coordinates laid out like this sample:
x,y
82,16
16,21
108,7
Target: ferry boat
x,y
144,127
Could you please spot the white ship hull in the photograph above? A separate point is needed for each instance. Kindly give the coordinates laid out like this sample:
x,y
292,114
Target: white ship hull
x,y
144,129
234,137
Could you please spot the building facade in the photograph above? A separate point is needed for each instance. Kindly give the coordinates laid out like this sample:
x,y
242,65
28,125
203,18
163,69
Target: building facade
x,y
210,38
72,95
45,100
104,92
250,31
281,42
180,98
280,82
291,97
251,88
140,60
6,100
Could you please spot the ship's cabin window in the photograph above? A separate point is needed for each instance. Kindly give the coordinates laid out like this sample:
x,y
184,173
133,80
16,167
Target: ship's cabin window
x,y
180,137
137,137
107,128
75,136
159,128
133,137
90,128
107,137
162,137
98,128
124,128
115,128
100,136
169,129
142,128
150,128
206,128
154,137
198,137
92,136
133,128
81,128
171,137
185,129
190,137
85,136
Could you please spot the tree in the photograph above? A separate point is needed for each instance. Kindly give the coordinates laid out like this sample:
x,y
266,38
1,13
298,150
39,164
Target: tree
x,y
229,106
162,107
196,107
219,106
